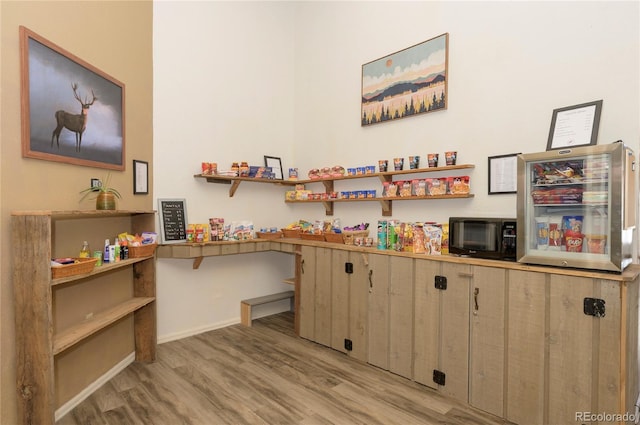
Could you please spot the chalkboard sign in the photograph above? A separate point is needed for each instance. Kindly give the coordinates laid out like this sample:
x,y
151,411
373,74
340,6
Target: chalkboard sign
x,y
173,220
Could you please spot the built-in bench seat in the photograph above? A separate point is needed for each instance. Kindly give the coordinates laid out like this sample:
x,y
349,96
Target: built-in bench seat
x,y
246,305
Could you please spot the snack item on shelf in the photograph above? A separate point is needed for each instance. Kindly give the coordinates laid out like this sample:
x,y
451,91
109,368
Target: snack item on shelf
x,y
436,186
314,174
405,188
572,231
458,185
419,187
418,238
555,233
337,171
216,226
445,238
433,243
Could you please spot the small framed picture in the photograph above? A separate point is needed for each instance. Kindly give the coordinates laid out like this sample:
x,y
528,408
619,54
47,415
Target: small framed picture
x,y
276,166
140,177
503,174
574,126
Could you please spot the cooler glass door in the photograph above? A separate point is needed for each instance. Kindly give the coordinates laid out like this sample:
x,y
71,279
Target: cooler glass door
x,y
567,207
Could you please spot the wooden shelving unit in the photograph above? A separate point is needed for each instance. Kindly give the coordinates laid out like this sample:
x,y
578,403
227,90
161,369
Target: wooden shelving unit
x,y
37,342
385,202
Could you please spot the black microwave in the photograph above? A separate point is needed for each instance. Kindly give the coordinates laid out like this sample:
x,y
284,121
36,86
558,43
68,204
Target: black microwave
x,y
483,237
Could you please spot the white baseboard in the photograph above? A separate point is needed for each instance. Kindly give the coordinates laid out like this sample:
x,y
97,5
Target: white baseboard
x,y
69,405
195,331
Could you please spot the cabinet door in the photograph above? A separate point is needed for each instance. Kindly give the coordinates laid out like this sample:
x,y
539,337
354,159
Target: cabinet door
x,y
339,300
526,350
359,305
426,322
401,316
486,356
378,329
454,360
323,297
307,292
584,351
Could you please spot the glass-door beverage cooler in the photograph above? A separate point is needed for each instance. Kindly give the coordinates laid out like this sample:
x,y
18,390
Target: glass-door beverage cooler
x,y
576,207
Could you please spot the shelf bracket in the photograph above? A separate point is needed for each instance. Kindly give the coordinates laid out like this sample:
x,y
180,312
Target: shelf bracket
x,y
233,188
386,208
328,185
328,207
385,178
196,262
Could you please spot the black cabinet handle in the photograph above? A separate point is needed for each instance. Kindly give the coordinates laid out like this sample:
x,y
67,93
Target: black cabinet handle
x,y
476,291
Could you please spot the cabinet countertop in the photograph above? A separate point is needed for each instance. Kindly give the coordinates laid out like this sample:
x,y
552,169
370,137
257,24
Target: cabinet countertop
x,y
628,275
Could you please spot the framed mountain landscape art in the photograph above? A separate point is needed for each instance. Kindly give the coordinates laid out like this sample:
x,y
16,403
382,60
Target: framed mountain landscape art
x,y
410,82
71,111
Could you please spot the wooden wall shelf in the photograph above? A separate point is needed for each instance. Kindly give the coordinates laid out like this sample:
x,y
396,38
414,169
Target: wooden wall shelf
x,y
385,202
38,342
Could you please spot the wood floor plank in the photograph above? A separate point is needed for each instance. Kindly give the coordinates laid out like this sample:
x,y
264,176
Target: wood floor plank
x,y
263,375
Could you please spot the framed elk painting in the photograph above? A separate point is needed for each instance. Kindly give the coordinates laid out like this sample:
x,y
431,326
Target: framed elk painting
x,y
71,111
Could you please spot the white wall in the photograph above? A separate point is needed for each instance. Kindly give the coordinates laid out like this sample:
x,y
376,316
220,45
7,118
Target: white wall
x,y
238,80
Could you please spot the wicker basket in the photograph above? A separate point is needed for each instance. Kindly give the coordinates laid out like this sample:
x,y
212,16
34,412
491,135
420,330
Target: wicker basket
x,y
350,236
142,250
312,237
291,233
334,237
269,235
84,265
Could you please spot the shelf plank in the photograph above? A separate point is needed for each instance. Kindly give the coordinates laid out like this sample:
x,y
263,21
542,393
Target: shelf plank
x,y
383,198
105,267
75,214
290,280
77,333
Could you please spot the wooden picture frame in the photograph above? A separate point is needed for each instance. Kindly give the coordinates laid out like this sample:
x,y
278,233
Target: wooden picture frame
x,y
503,174
406,83
574,126
276,166
140,177
71,111
173,220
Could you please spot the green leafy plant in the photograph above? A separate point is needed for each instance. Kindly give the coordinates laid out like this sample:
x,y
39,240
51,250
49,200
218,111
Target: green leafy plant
x,y
102,188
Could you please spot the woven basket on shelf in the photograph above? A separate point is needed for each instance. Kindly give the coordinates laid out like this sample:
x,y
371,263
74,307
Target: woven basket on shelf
x,y
350,235
269,235
291,233
142,250
312,237
83,265
334,237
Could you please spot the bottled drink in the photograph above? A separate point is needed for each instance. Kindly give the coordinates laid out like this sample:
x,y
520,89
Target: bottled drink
x,y
85,252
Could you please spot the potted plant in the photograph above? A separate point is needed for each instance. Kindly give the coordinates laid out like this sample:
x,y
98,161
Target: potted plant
x,y
105,195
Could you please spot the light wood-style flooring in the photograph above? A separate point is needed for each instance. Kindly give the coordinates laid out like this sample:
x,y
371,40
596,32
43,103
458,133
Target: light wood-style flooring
x,y
264,375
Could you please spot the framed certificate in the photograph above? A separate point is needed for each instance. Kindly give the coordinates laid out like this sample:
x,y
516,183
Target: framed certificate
x,y
503,174
140,177
574,126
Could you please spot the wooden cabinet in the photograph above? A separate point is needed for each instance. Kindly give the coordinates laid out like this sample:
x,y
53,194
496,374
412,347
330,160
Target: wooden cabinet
x,y
391,314
529,344
378,276
526,328
454,326
63,344
349,295
401,316
487,341
334,299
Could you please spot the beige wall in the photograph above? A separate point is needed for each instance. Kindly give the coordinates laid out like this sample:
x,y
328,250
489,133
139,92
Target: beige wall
x,y
113,36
